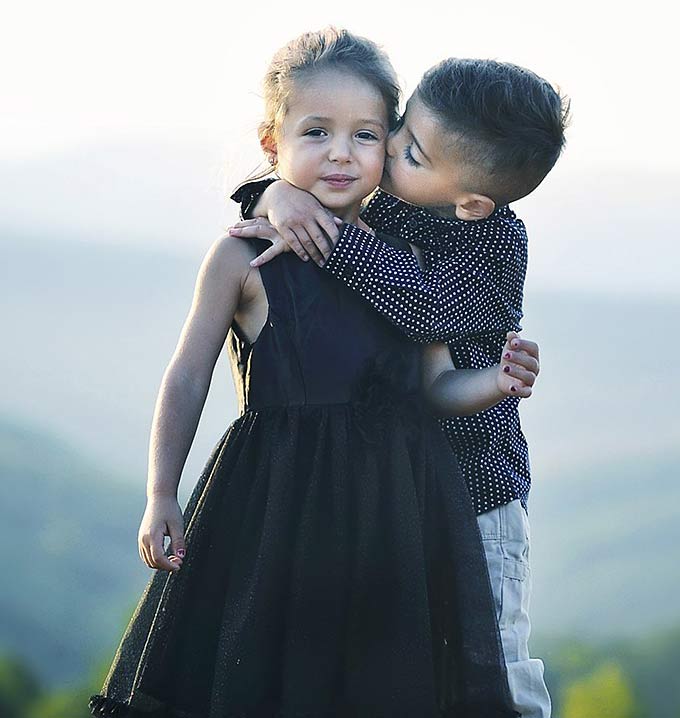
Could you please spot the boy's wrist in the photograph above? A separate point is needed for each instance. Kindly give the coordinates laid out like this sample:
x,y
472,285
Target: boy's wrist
x,y
353,254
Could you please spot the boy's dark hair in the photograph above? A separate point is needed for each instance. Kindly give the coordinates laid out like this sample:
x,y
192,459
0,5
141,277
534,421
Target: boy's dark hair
x,y
508,123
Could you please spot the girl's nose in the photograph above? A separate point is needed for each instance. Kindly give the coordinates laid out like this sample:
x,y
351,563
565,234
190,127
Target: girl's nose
x,y
340,150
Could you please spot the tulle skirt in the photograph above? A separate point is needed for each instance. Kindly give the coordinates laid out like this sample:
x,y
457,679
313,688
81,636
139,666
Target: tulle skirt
x,y
334,567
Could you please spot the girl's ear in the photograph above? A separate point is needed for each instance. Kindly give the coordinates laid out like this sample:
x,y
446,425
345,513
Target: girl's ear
x,y
474,206
268,145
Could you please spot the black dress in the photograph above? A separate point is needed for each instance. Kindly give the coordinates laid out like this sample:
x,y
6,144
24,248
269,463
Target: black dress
x,y
334,567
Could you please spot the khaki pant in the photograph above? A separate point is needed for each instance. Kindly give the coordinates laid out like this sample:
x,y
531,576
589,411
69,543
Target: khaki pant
x,y
505,535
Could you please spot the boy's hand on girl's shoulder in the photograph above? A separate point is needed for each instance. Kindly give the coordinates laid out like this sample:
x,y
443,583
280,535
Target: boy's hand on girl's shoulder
x,y
519,366
302,224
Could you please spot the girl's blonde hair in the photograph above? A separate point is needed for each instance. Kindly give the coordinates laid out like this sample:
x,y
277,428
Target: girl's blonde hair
x,y
327,49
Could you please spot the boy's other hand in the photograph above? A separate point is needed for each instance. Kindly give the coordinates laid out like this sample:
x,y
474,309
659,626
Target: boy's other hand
x,y
519,366
305,226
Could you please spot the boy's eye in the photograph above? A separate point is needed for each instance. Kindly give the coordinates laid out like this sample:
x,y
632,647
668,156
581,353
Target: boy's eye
x,y
409,157
315,132
366,135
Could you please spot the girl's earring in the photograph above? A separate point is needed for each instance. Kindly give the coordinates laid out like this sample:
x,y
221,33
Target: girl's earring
x,y
272,160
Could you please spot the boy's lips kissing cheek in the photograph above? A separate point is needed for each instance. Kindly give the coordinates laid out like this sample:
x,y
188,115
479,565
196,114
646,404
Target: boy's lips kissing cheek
x,y
386,178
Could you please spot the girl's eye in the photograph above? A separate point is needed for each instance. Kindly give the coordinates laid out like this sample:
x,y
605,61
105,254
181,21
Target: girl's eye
x,y
315,132
366,135
409,157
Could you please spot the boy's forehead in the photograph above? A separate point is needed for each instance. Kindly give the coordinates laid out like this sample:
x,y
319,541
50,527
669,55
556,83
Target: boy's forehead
x,y
429,133
421,120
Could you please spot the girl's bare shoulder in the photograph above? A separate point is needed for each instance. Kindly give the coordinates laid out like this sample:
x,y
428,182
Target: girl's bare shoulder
x,y
224,269
231,254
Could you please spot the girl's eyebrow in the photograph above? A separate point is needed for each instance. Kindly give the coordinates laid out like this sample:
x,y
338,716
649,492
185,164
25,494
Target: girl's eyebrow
x,y
315,118
371,122
319,118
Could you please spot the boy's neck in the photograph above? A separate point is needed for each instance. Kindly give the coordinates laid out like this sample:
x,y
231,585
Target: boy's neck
x,y
448,211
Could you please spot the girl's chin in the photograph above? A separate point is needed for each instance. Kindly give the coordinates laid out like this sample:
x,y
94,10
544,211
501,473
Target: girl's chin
x,y
341,209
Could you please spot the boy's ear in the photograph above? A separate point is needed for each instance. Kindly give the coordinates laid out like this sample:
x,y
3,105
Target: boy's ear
x,y
474,206
268,145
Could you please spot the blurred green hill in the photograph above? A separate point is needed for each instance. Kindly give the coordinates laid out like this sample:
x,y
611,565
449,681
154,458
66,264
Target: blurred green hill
x,y
605,548
69,537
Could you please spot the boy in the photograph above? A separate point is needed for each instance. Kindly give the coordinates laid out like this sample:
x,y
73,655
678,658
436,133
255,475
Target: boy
x,y
475,136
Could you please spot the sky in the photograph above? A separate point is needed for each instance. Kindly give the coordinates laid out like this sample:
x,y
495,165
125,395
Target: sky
x,y
143,79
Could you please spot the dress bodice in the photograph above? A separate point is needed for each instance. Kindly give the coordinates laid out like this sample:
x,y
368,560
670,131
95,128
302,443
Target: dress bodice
x,y
321,343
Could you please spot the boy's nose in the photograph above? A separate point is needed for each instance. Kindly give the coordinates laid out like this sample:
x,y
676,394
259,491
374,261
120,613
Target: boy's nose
x,y
389,145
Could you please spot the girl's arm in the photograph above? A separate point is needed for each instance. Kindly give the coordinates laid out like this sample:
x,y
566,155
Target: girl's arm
x,y
221,288
461,392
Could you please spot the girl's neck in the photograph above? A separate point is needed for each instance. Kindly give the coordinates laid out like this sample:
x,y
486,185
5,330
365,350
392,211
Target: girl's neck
x,y
352,217
362,225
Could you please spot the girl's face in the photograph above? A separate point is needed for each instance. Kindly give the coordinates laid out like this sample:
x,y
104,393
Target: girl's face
x,y
331,141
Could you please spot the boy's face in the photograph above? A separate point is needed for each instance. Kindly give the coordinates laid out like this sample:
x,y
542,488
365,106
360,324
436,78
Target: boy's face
x,y
421,166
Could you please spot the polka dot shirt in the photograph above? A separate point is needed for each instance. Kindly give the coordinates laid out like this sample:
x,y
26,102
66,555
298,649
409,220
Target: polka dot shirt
x,y
468,294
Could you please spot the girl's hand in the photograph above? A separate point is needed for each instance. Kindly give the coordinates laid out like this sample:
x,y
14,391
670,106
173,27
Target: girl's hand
x,y
519,366
263,229
162,517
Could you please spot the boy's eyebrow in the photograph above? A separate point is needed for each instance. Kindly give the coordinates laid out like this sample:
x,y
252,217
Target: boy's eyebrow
x,y
410,131
417,144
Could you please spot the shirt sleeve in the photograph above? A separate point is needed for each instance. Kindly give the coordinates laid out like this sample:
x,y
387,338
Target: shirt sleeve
x,y
467,293
248,193
417,225
388,214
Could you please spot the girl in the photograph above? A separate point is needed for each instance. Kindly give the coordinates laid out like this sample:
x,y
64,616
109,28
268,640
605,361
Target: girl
x,y
328,562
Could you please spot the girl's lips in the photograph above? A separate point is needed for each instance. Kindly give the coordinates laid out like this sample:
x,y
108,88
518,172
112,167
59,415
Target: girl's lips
x,y
339,180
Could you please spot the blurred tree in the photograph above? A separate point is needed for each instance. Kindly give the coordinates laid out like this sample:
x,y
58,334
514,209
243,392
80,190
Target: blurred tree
x,y
61,704
605,693
19,687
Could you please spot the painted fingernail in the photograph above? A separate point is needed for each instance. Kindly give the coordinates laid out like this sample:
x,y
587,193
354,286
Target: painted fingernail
x,y
513,388
507,355
506,369
180,552
515,342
